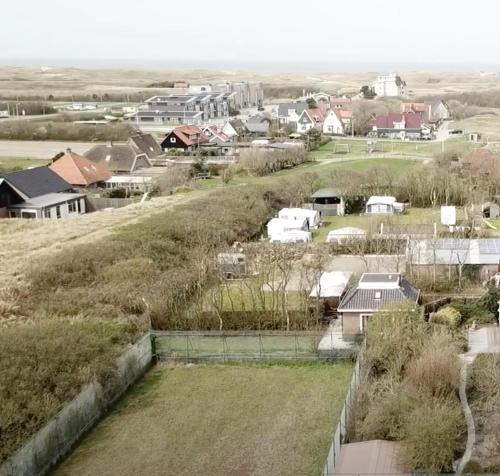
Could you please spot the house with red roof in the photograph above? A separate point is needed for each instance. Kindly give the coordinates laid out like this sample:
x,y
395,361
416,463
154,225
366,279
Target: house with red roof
x,y
310,119
337,122
185,137
80,171
400,126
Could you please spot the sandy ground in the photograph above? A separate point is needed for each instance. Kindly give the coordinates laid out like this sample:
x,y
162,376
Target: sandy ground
x,y
40,149
32,81
24,243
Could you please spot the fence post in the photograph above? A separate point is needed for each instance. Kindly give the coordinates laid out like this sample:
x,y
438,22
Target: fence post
x,y
224,348
187,348
260,346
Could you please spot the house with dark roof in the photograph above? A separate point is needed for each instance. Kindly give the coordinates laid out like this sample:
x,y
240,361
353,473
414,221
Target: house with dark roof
x,y
187,138
235,128
80,171
38,193
290,112
258,125
328,201
146,144
118,158
400,126
374,291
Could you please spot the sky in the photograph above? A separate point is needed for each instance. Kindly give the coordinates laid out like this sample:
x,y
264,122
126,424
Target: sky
x,y
440,32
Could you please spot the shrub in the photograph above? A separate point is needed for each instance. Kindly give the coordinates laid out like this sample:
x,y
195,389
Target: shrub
x,y
436,371
44,364
447,315
394,336
169,258
432,433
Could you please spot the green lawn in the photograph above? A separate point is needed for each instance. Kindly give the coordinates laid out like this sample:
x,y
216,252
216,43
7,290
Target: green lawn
x,y
358,147
258,419
371,224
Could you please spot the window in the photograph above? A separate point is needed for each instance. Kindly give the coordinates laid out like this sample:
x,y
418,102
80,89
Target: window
x,y
72,207
58,211
377,295
46,213
173,140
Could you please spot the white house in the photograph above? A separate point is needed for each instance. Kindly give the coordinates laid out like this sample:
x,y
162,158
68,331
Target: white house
x,y
337,121
310,119
390,85
312,216
383,205
51,205
439,111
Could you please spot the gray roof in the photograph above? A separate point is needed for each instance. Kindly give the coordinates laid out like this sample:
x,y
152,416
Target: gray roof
x,y
258,124
285,107
48,200
146,144
36,181
169,113
361,299
326,193
118,158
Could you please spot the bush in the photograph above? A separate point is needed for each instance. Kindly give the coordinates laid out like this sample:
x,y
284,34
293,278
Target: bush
x,y
176,249
44,364
447,315
394,336
473,311
432,433
436,371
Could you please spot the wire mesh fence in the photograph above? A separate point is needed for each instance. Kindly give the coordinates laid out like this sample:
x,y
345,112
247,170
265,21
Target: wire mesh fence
x,y
226,346
341,429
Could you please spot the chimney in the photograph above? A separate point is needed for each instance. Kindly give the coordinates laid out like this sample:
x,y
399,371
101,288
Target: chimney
x,y
110,143
68,151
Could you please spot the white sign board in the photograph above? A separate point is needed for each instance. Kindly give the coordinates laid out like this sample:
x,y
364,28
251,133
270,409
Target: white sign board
x,y
448,216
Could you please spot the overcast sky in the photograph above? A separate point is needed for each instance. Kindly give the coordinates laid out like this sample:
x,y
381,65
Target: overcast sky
x,y
376,31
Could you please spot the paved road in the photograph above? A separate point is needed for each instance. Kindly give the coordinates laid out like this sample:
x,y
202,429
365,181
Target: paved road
x,y
442,133
40,149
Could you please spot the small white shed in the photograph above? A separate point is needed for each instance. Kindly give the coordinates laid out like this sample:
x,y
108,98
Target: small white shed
x,y
312,216
378,205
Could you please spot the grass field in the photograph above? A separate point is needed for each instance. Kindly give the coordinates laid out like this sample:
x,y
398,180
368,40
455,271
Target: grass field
x,y
235,420
488,124
371,224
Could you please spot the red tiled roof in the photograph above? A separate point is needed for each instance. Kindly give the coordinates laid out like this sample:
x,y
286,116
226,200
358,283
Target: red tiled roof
x,y
414,107
315,114
412,121
343,114
78,170
184,133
